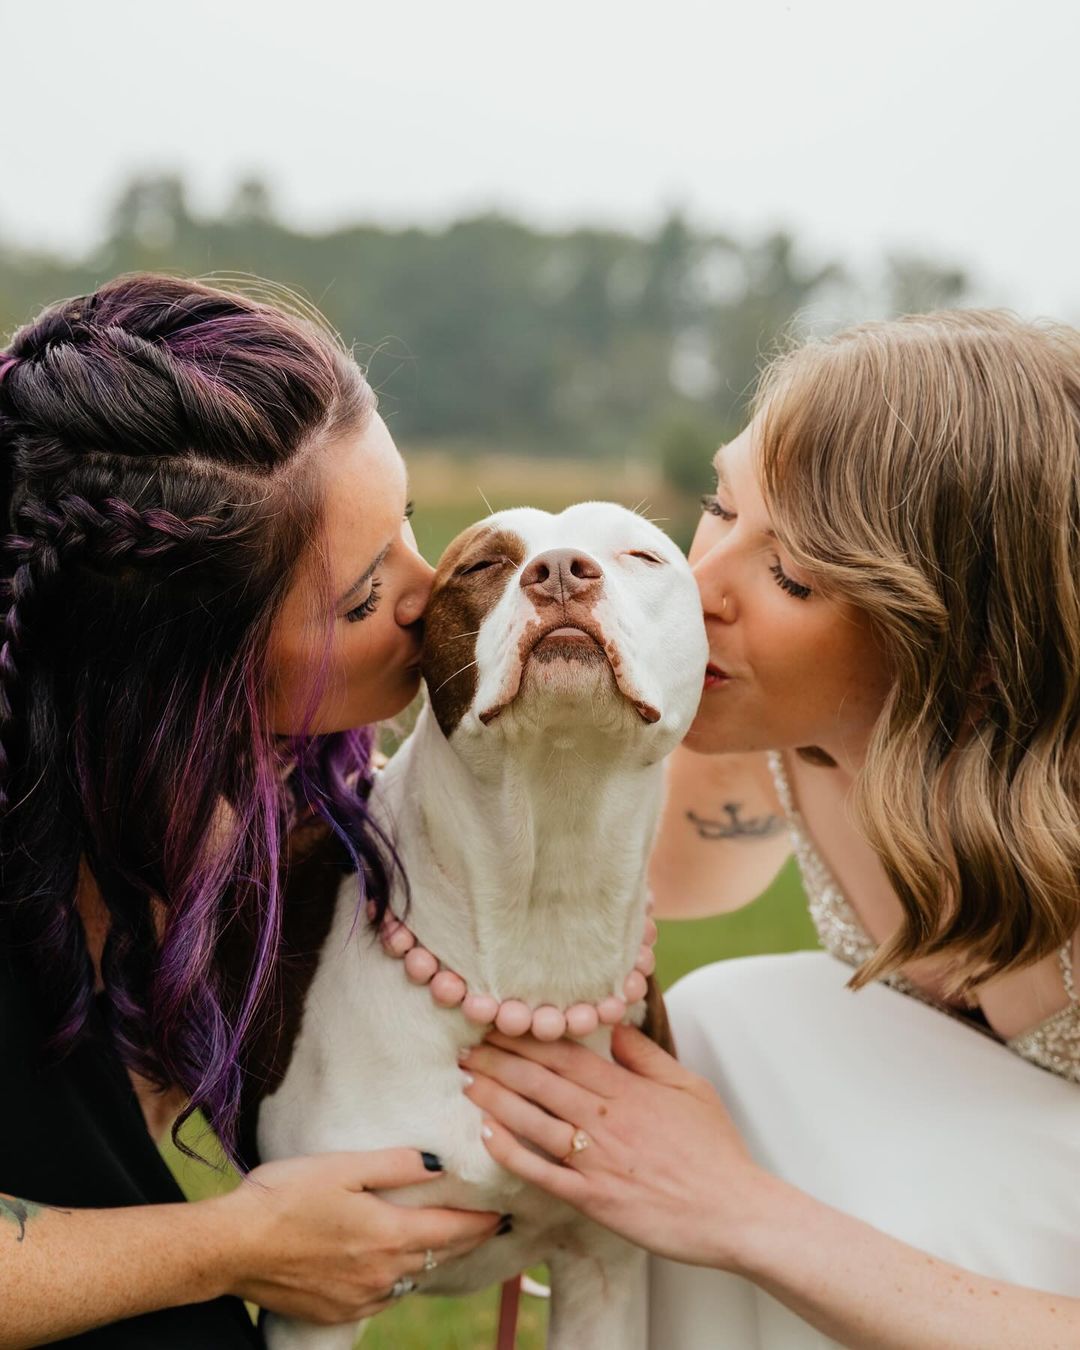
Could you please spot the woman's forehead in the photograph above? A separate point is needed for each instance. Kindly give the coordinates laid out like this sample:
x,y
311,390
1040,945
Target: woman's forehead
x,y
738,468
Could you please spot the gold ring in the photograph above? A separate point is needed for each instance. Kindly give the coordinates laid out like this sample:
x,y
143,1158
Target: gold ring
x,y
578,1144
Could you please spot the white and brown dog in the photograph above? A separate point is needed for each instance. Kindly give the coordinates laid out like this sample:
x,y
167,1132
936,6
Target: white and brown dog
x,y
564,658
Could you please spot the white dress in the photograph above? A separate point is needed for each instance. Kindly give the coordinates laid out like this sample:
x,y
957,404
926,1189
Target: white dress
x,y
884,1107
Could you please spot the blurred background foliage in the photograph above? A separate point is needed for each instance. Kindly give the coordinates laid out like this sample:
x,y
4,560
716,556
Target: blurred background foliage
x,y
491,334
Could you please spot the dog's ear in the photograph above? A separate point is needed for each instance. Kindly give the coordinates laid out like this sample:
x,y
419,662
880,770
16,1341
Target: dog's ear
x,y
469,582
656,1025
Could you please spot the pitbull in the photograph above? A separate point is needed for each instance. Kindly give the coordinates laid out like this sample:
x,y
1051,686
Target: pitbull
x,y
564,657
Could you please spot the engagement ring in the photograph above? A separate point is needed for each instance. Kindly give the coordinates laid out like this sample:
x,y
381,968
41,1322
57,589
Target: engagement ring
x,y
579,1142
402,1287
429,1260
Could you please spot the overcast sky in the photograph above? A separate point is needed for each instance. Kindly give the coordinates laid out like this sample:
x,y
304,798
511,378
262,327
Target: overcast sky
x,y
947,126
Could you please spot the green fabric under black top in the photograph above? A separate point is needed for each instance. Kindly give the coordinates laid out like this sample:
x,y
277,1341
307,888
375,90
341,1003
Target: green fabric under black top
x,y
73,1135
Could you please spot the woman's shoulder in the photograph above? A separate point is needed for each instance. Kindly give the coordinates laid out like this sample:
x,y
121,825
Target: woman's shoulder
x,y
723,835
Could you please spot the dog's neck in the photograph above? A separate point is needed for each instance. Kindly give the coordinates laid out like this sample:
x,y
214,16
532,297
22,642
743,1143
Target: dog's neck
x,y
530,880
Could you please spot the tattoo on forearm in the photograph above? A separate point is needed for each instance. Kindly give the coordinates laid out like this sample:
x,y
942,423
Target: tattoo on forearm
x,y
732,826
20,1212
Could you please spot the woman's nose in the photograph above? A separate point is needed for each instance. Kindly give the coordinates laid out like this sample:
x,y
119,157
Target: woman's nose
x,y
713,580
416,593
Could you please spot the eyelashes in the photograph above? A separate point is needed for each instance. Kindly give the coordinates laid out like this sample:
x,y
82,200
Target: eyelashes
x,y
711,503
368,606
371,604
795,588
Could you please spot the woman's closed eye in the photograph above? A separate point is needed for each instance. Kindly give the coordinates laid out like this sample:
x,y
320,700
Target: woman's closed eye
x,y
367,606
786,583
711,502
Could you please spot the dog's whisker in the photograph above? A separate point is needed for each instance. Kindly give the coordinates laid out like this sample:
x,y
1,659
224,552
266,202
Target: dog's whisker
x,y
456,637
455,675
491,509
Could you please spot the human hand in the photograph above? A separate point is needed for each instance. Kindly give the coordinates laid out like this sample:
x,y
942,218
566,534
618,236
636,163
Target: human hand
x,y
311,1242
664,1165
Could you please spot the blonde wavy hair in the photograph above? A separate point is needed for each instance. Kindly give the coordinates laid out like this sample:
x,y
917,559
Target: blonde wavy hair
x,y
927,470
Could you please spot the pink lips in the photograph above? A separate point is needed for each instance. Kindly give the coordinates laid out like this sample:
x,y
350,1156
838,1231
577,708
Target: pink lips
x,y
715,677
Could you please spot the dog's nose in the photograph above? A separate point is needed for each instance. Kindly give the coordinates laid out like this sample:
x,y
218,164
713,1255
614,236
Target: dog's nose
x,y
563,574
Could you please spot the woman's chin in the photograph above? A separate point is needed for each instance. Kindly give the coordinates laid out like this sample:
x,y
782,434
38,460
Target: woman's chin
x,y
369,706
711,735
388,703
706,740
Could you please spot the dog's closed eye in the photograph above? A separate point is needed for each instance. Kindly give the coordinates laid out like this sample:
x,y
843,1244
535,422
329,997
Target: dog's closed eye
x,y
647,557
482,564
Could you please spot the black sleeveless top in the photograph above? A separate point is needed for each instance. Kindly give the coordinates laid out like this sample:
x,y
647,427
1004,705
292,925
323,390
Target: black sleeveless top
x,y
73,1135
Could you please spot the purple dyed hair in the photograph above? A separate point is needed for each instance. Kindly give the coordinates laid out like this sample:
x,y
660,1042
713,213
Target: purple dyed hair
x,y
159,465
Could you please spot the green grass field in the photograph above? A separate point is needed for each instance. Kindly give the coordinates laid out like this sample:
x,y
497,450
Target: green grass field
x,y
448,498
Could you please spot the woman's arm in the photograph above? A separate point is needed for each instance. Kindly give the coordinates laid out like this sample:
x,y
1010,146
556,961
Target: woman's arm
x,y
301,1237
722,835
872,1292
666,1168
66,1271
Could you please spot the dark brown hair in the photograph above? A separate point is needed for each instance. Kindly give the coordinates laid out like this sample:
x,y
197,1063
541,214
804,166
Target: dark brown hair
x,y
159,450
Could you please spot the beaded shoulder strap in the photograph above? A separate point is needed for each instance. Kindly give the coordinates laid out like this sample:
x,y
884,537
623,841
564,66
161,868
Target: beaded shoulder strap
x,y
1069,980
775,761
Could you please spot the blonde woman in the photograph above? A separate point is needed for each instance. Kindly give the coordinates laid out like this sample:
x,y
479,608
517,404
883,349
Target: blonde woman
x,y
890,574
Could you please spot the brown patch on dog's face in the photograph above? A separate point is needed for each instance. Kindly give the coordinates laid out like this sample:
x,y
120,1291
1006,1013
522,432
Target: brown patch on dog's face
x,y
472,576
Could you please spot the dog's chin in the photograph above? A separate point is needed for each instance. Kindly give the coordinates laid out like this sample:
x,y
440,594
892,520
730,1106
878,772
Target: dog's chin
x,y
569,646
568,676
569,684
567,666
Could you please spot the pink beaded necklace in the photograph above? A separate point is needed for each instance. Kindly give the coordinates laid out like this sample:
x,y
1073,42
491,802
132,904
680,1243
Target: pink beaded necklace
x,y
512,1016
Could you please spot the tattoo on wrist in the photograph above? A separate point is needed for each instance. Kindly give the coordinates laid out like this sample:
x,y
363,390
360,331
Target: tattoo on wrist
x,y
732,826
19,1212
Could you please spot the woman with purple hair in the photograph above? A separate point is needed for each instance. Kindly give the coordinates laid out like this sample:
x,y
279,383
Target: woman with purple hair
x,y
210,585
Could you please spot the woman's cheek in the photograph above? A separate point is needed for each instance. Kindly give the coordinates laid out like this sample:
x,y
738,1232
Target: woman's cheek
x,y
782,648
370,651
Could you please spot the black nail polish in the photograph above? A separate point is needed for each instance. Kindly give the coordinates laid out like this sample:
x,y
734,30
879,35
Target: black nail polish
x,y
432,1162
506,1225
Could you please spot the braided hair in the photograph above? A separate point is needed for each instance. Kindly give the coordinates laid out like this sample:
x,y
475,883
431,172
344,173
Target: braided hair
x,y
159,477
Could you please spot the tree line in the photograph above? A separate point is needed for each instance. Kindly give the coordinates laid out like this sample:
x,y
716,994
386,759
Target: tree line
x,y
490,333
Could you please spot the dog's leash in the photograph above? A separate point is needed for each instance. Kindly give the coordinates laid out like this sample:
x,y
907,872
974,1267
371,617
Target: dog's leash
x,y
509,1307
